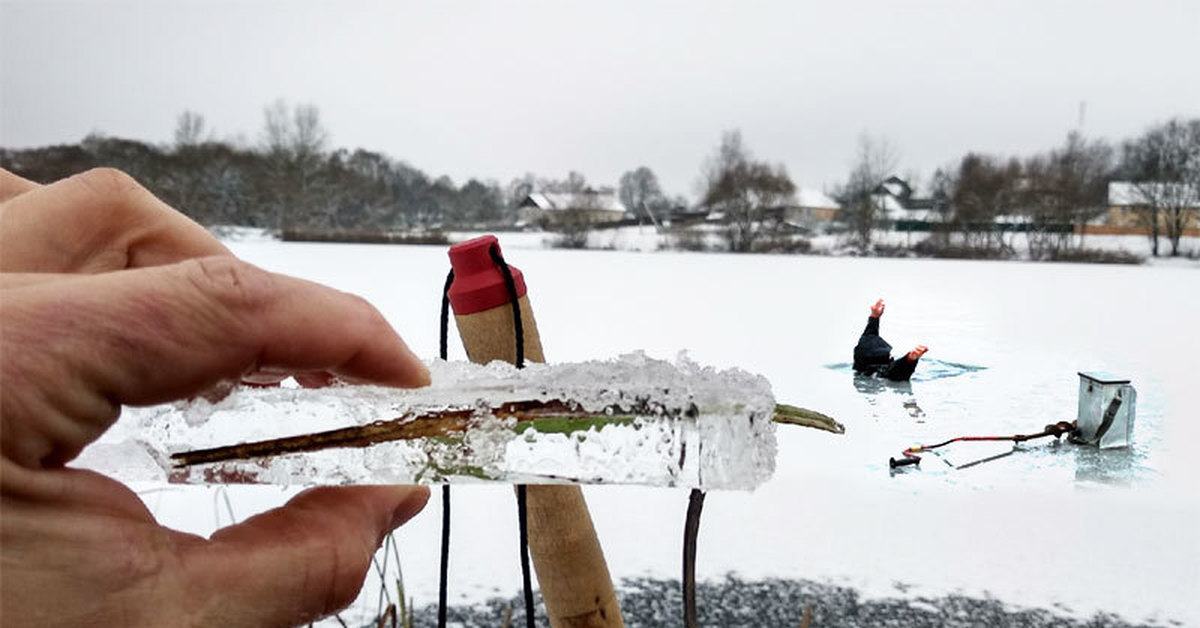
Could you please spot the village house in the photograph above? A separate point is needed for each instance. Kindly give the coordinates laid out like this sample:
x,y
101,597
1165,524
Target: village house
x,y
812,209
902,209
809,210
1129,204
589,207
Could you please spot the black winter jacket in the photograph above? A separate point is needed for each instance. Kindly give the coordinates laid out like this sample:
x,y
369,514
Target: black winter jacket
x,y
873,356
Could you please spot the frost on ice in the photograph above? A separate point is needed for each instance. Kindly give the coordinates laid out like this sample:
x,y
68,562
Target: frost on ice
x,y
635,420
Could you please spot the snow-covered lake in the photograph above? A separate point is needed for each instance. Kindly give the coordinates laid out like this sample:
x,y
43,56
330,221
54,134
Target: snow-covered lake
x,y
1076,529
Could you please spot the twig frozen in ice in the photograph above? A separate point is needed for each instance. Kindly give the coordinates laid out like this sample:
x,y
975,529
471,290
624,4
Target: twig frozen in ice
x,y
542,416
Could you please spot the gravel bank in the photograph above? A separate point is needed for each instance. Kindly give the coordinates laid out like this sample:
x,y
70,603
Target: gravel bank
x,y
734,602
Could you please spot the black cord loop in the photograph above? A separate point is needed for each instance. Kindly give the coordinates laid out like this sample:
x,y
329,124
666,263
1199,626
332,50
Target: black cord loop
x,y
691,531
522,512
445,556
522,518
514,300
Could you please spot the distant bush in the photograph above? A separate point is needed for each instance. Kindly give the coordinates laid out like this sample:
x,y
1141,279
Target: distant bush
x,y
941,250
363,236
1095,256
575,239
782,244
894,250
688,240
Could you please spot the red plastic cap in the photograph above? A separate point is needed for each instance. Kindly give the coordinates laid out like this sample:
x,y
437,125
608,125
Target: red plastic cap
x,y
478,283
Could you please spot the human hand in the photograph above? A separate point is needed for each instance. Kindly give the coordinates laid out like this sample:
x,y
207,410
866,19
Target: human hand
x,y
877,309
108,297
917,352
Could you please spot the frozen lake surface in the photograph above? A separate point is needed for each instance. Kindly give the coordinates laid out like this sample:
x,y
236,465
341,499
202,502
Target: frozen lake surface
x,y
1077,530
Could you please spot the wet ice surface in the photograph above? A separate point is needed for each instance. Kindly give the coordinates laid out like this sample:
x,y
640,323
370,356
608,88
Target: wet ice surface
x,y
680,424
1070,529
936,405
928,369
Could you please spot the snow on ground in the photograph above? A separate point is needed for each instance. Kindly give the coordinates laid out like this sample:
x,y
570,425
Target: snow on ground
x,y
1061,527
235,233
647,239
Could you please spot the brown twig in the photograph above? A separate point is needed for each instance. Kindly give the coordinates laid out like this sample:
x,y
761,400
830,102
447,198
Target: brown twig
x,y
407,427
450,422
806,621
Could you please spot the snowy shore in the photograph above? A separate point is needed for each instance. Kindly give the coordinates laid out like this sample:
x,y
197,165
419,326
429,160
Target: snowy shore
x,y
736,603
646,239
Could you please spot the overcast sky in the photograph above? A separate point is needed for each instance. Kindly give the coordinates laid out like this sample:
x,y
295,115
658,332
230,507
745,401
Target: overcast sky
x,y
497,89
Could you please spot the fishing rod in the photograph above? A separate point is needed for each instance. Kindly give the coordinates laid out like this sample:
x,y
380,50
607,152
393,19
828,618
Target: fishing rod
x,y
910,457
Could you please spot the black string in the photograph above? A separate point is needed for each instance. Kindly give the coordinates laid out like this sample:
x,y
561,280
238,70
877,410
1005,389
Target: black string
x,y
691,530
522,512
523,534
446,313
445,487
511,285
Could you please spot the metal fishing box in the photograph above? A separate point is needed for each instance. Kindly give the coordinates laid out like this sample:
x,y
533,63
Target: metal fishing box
x,y
1107,407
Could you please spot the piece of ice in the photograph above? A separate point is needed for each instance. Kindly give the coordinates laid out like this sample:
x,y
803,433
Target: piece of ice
x,y
651,422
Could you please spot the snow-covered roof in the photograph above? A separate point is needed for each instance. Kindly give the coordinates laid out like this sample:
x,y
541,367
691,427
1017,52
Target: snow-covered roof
x,y
894,187
816,199
552,201
1128,194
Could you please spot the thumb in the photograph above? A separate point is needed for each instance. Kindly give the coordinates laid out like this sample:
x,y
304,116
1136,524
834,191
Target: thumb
x,y
302,561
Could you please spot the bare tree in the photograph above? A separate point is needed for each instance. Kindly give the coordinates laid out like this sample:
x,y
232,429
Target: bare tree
x,y
277,127
189,129
294,144
519,188
751,194
308,135
479,203
861,210
985,190
183,183
1164,167
1085,167
639,191
575,183
941,189
1062,190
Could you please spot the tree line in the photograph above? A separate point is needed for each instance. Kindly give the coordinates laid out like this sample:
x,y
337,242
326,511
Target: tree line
x,y
983,200
291,179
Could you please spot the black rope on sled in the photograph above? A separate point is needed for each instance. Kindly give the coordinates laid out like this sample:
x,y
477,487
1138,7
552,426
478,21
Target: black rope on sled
x,y
691,530
522,512
445,564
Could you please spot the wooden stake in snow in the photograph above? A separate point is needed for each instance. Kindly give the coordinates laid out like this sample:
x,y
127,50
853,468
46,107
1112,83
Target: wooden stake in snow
x,y
567,557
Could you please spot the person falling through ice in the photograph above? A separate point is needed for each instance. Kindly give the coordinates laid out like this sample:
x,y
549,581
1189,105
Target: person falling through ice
x,y
873,355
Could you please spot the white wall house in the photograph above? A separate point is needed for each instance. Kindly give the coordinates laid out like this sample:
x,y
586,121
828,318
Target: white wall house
x,y
590,207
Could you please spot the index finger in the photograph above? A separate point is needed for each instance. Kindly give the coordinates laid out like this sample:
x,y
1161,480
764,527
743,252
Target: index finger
x,y
12,185
98,221
77,349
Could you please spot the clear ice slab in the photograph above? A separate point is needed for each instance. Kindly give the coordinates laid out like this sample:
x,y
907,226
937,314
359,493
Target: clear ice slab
x,y
631,420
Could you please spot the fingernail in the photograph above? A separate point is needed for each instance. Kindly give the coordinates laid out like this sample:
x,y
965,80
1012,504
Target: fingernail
x,y
259,378
423,376
412,503
265,375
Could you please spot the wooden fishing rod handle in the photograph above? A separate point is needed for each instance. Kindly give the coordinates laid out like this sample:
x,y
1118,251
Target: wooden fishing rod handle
x,y
571,571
